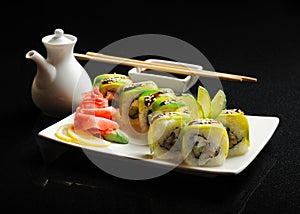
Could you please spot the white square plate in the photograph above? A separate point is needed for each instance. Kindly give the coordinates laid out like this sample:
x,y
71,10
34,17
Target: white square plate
x,y
261,130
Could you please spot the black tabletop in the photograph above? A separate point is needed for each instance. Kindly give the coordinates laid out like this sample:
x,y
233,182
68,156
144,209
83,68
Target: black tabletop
x,y
250,39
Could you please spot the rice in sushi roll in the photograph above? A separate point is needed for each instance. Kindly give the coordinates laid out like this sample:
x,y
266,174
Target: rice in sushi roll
x,y
163,135
204,142
237,127
128,103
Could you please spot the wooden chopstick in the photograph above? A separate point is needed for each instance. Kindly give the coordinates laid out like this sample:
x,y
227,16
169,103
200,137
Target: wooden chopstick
x,y
177,69
169,68
188,71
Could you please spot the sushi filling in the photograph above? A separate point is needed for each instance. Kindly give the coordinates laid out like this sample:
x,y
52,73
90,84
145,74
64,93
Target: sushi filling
x,y
169,141
233,139
203,149
109,94
134,109
134,116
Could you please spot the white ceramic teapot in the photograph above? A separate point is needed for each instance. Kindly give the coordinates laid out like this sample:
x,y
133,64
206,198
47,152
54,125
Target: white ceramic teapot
x,y
60,79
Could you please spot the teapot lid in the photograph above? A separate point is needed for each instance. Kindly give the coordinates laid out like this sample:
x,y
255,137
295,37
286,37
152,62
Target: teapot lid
x,y
59,38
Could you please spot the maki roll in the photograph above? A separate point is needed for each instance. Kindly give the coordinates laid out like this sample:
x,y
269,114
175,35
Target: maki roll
x,y
204,142
185,103
169,104
110,84
163,135
128,103
145,101
237,127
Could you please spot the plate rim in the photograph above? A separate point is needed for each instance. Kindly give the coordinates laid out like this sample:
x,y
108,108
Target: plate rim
x,y
181,167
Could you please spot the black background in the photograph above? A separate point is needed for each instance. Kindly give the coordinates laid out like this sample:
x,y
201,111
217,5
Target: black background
x,y
255,39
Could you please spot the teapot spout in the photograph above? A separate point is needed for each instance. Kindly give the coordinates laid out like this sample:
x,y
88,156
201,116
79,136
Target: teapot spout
x,y
46,72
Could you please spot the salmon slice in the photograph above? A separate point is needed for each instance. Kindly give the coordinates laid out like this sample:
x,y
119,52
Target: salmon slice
x,y
86,121
106,112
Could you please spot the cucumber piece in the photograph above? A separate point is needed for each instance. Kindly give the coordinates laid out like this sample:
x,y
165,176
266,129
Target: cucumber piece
x,y
204,100
195,109
218,103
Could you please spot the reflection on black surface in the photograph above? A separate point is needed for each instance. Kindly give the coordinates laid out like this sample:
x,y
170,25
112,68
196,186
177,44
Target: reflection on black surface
x,y
177,190
50,150
68,170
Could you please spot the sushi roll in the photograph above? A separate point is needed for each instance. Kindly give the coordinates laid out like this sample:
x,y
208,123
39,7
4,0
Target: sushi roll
x,y
185,103
164,105
110,84
145,101
163,135
204,142
237,127
128,104
169,104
